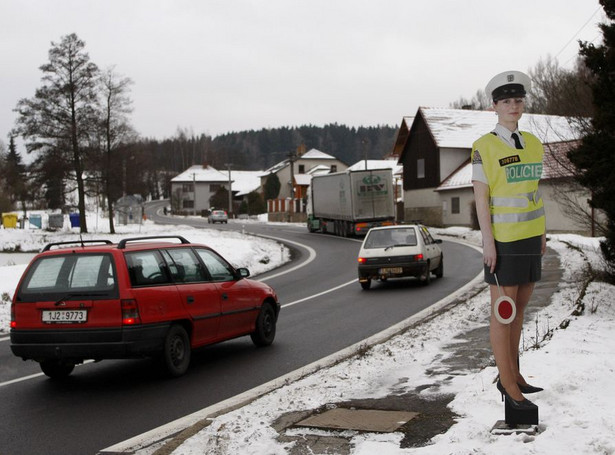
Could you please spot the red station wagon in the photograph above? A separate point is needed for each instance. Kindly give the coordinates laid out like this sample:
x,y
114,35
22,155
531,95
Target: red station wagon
x,y
142,297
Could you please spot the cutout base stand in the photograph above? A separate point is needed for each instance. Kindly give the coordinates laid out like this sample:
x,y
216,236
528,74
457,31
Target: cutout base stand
x,y
517,421
502,428
515,417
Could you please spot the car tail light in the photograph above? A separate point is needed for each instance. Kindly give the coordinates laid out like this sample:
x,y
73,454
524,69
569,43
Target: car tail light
x,y
418,257
130,312
13,321
362,260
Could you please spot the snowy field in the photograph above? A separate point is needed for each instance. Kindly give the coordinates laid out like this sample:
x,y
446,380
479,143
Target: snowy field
x,y
575,365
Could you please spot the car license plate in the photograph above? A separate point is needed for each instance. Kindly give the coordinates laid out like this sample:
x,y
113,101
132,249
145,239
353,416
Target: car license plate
x,y
65,316
390,270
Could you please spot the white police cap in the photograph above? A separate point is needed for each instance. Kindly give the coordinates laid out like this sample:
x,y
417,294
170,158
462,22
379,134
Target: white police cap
x,y
509,84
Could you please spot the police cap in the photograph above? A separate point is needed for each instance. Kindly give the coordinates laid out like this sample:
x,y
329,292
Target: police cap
x,y
509,84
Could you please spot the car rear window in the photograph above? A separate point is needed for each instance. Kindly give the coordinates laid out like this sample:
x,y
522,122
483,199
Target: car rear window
x,y
71,275
383,238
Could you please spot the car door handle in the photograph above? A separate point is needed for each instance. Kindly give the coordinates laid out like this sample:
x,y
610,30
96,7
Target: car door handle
x,y
224,296
190,299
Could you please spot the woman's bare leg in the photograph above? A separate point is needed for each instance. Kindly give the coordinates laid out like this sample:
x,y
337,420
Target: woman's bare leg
x,y
502,340
524,293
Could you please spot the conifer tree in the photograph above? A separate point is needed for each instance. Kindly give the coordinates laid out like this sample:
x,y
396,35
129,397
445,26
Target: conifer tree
x,y
14,175
272,186
63,112
595,156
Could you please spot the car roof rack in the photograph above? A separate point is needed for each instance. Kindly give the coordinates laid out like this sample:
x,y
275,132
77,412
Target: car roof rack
x,y
76,242
123,242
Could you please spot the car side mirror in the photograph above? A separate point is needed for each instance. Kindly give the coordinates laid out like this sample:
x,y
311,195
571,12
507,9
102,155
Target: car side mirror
x,y
243,272
438,241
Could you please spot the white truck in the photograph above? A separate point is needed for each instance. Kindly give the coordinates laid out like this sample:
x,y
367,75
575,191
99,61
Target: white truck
x,y
351,202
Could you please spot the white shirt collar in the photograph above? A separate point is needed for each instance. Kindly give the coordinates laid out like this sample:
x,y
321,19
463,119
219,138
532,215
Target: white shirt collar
x,y
506,135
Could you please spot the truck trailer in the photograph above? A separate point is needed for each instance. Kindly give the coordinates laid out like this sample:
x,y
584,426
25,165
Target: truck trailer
x,y
351,202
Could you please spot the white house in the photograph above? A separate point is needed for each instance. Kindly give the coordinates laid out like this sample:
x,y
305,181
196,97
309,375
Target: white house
x,y
302,164
192,189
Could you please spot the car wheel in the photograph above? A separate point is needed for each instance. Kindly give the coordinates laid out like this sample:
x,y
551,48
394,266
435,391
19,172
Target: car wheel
x,y
57,369
439,272
176,354
426,276
264,333
365,285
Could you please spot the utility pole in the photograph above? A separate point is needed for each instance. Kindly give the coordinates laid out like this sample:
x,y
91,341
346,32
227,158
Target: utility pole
x,y
292,156
230,189
194,192
364,143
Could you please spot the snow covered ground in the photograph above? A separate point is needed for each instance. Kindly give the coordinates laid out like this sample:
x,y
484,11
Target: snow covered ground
x,y
575,365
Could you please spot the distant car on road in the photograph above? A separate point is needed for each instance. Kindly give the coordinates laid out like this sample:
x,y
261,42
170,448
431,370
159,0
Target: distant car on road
x,y
217,216
399,251
141,297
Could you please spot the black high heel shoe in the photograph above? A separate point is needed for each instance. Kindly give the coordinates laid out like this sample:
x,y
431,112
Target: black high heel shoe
x,y
524,405
529,388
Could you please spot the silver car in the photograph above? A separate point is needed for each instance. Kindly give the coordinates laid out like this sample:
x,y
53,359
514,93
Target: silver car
x,y
399,251
217,216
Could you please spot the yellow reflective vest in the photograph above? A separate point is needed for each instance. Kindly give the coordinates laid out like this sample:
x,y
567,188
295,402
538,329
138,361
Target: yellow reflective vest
x,y
517,210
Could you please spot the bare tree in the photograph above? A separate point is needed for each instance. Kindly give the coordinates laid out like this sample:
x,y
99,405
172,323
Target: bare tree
x,y
479,102
557,91
116,130
63,111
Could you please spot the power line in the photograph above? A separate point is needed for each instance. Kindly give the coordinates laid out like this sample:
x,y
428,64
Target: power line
x,y
579,31
593,41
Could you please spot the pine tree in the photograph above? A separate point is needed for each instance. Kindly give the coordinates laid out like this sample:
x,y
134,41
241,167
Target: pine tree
x,y
595,156
272,187
63,112
14,174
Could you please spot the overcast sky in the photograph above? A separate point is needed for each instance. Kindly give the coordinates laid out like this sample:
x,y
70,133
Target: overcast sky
x,y
216,66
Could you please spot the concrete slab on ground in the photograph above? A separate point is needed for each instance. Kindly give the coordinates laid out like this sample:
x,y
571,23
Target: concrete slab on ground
x,y
372,420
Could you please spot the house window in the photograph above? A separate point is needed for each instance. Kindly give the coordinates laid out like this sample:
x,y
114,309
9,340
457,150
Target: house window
x,y
302,169
420,168
188,204
455,205
187,188
334,168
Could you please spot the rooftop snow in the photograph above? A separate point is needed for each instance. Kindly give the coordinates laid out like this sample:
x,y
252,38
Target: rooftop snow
x,y
459,128
198,173
314,154
244,182
378,164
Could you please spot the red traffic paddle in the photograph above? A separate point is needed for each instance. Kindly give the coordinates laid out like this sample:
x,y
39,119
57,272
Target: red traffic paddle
x,y
504,307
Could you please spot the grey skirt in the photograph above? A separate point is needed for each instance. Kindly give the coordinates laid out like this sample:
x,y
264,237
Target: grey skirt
x,y
517,262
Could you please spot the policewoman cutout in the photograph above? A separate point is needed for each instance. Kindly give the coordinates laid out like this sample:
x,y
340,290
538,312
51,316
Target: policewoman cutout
x,y
506,169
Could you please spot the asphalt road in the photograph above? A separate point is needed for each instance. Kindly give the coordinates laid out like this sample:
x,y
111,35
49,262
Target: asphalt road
x,y
324,310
